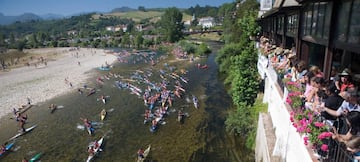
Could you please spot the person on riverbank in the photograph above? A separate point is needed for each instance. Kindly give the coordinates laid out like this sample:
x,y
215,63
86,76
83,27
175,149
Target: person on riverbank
x,y
22,120
28,100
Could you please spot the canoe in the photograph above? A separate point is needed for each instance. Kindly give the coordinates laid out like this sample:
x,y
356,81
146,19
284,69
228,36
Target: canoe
x,y
7,147
96,150
36,157
22,133
103,114
146,153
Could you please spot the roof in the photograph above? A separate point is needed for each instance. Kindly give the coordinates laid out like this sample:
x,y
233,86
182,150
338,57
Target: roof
x,y
279,4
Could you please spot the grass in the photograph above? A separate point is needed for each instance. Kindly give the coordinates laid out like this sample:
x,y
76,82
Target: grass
x,y
206,36
137,16
258,107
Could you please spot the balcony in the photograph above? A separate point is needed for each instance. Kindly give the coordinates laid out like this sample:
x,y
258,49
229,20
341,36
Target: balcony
x,y
289,143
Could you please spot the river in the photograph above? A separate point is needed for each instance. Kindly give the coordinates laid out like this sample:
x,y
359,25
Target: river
x,y
201,137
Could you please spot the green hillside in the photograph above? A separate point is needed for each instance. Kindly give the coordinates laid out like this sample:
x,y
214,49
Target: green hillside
x,y
137,16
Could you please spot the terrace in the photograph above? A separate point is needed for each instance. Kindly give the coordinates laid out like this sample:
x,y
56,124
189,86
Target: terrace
x,y
312,141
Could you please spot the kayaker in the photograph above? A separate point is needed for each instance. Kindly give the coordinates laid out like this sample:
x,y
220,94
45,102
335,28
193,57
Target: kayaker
x,y
140,153
24,160
80,91
92,147
52,106
2,149
180,115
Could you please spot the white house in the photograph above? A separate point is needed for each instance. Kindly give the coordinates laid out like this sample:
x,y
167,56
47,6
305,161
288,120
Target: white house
x,y
207,22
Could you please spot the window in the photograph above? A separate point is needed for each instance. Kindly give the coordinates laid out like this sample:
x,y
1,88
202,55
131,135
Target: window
x,y
343,20
354,30
321,20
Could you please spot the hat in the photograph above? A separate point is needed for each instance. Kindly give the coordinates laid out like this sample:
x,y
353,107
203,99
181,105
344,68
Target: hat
x,y
286,51
345,72
279,50
291,55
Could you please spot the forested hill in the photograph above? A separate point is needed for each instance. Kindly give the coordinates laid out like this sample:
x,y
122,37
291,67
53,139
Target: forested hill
x,y
5,20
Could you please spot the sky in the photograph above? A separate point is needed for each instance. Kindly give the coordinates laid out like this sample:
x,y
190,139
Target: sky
x,y
70,7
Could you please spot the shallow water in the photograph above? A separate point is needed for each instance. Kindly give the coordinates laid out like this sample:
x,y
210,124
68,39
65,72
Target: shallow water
x,y
200,138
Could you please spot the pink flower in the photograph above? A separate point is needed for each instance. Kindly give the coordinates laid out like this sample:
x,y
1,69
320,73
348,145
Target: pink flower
x,y
292,119
319,124
324,135
306,140
288,100
324,147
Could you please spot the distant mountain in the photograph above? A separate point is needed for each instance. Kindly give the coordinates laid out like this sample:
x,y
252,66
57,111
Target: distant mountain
x,y
51,16
122,9
5,20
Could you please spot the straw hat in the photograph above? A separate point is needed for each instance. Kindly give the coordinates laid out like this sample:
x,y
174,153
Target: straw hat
x,y
291,55
345,72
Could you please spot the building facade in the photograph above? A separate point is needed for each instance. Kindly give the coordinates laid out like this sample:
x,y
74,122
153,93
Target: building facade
x,y
324,33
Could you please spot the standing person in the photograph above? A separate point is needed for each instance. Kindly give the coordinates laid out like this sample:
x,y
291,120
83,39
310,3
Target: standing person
x,y
28,101
21,119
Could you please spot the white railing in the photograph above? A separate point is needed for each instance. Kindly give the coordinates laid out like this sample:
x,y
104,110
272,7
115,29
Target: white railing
x,y
289,144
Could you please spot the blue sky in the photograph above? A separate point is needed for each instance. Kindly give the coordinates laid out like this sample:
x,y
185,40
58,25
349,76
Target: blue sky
x,y
69,7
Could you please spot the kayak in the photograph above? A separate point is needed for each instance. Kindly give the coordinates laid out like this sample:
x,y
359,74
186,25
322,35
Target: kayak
x,y
7,147
104,68
35,158
103,114
153,128
22,133
146,153
195,101
96,150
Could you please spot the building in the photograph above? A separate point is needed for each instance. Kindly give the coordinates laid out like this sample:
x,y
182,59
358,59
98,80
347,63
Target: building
x,y
322,33
207,22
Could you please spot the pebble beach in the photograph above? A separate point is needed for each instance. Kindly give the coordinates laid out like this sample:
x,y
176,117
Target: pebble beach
x,y
46,81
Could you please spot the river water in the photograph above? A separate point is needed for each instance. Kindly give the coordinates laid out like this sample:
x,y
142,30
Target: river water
x,y
201,137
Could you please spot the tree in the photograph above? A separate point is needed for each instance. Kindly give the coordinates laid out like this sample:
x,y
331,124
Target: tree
x,y
142,8
2,39
172,25
139,40
20,44
33,41
125,40
203,49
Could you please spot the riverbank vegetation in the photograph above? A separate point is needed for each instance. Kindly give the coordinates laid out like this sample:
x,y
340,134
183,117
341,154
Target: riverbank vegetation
x,y
238,64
